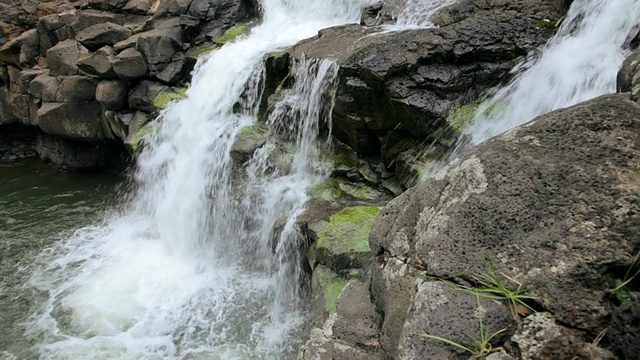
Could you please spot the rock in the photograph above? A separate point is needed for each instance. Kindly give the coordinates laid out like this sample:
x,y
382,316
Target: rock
x,y
248,140
108,5
88,18
23,50
20,81
440,309
75,155
519,199
542,338
159,46
138,6
624,334
52,29
223,13
382,12
129,65
343,240
74,121
23,108
172,7
135,140
173,72
629,76
322,347
25,13
99,35
325,289
100,63
142,96
406,82
112,94
6,117
357,321
44,87
63,57
77,88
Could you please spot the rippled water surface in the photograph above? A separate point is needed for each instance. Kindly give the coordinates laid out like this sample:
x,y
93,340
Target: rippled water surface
x,y
38,206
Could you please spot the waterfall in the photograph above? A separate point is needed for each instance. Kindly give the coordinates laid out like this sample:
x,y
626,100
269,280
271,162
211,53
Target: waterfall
x,y
579,63
418,13
202,262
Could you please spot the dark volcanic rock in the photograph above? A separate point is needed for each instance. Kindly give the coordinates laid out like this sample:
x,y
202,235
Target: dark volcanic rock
x,y
77,88
112,94
76,155
100,63
554,203
63,57
99,35
129,65
23,50
75,121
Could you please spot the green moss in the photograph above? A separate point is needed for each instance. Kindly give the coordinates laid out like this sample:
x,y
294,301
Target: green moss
x,y
546,24
348,230
201,50
232,33
332,286
460,117
276,53
363,192
133,141
165,96
327,190
247,130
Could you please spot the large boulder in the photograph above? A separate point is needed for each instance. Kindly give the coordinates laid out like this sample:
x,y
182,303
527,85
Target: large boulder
x,y
77,88
52,29
99,35
399,88
63,57
74,121
129,65
553,205
158,46
100,63
112,94
23,50
44,87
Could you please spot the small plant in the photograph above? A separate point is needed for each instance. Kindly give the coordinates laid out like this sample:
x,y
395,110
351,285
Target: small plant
x,y
481,345
620,291
491,287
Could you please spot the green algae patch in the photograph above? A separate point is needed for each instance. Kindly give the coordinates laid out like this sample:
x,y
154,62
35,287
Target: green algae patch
x,y
343,243
331,285
461,117
195,52
167,95
134,141
232,33
327,190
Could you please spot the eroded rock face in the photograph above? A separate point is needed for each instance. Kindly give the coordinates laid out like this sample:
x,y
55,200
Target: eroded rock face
x,y
554,204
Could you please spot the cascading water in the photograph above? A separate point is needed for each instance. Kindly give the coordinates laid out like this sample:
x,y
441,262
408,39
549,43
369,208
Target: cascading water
x,y
579,63
199,264
418,13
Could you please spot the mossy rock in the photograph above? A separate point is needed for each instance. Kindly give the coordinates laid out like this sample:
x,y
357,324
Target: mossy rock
x,y
343,242
134,141
461,117
248,140
233,33
201,50
165,96
334,189
327,286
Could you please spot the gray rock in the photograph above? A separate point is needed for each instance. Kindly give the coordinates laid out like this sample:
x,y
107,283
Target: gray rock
x,y
519,199
173,7
74,155
75,121
322,347
138,121
52,29
624,333
99,35
174,71
112,94
248,140
138,6
129,65
63,57
77,88
6,117
159,46
23,50
439,309
44,87
98,63
382,12
20,81
87,18
629,76
357,321
143,94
